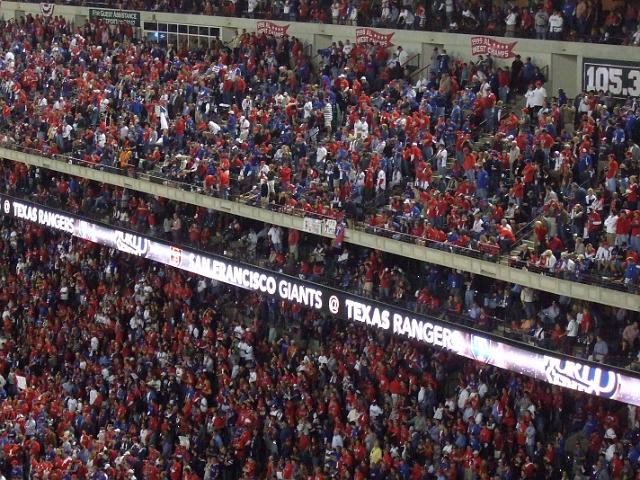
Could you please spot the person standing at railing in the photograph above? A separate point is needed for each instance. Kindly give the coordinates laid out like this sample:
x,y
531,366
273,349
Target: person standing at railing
x,y
556,25
610,225
511,22
176,227
630,335
541,20
506,238
600,350
570,334
631,274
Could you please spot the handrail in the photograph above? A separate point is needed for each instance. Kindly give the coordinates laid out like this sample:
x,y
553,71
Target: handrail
x,y
613,283
314,60
522,233
420,70
483,254
526,229
377,230
406,237
409,60
545,72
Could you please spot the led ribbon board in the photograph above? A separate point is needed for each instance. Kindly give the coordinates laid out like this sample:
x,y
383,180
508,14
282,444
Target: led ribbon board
x,y
551,367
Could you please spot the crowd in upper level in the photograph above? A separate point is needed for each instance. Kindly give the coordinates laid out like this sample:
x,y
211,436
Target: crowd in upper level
x,y
444,160
595,21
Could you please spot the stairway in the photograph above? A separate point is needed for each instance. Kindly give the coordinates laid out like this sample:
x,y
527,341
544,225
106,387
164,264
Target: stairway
x,y
525,242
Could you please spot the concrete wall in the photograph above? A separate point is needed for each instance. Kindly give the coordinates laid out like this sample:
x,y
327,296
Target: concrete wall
x,y
492,270
564,59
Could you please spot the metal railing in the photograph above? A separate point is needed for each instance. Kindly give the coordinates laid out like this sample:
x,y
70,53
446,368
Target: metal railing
x,y
252,198
589,278
410,65
419,71
545,73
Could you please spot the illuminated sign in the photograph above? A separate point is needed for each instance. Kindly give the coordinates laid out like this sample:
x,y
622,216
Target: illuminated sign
x,y
131,243
41,216
581,377
556,369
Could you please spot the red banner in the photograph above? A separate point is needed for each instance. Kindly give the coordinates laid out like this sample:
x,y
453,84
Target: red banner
x,y
485,45
270,28
369,35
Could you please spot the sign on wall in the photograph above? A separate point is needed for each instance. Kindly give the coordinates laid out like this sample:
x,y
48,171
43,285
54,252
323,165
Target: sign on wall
x,y
270,28
312,225
369,35
358,312
617,77
114,17
486,45
318,226
47,9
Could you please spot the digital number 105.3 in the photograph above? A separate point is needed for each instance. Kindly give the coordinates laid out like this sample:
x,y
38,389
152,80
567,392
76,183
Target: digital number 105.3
x,y
616,81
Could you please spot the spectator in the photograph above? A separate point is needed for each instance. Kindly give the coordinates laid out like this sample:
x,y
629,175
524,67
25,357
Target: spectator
x,y
600,350
541,21
571,333
631,274
630,335
556,24
527,23
511,21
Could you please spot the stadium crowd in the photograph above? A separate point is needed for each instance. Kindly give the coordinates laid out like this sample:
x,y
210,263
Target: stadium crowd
x,y
115,368
592,331
355,141
571,20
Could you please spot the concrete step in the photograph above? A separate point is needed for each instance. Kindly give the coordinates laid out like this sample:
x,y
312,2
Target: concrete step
x,y
523,243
